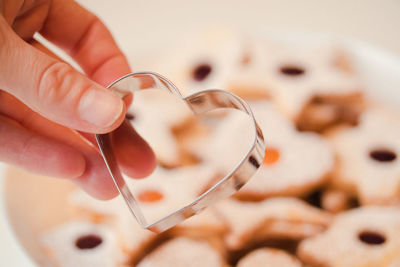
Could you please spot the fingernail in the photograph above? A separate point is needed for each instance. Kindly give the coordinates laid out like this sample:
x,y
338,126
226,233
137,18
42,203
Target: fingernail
x,y
100,108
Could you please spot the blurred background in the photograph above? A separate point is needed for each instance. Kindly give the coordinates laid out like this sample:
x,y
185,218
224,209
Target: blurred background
x,y
142,28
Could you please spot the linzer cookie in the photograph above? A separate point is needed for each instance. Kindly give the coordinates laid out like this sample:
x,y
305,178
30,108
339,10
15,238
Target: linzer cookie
x,y
289,167
156,115
134,240
183,252
269,257
80,243
164,191
368,163
368,236
289,218
314,84
206,63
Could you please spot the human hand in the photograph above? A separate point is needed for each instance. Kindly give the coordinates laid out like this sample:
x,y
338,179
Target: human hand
x,y
42,98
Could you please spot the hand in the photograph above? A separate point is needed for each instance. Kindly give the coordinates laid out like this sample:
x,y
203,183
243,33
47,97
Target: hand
x,y
42,98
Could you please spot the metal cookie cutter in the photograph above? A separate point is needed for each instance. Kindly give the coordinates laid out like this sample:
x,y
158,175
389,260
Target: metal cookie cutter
x,y
199,102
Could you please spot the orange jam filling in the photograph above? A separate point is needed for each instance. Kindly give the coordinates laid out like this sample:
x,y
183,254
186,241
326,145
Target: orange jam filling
x,y
271,156
150,196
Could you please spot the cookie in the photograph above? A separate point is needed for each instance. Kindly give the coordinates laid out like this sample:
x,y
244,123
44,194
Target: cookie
x,y
314,84
368,163
80,243
367,236
336,201
272,218
182,252
289,167
322,112
156,114
133,239
97,211
207,223
206,63
164,191
269,257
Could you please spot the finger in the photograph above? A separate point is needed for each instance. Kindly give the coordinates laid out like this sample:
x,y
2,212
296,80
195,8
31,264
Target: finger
x,y
37,153
30,18
86,39
95,178
135,157
54,89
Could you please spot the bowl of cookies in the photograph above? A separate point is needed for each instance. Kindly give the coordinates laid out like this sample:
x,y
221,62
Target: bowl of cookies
x,y
327,192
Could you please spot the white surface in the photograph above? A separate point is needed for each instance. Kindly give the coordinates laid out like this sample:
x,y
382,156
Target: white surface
x,y
11,253
149,27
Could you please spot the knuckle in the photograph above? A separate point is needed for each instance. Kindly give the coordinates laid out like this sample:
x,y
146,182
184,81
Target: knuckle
x,y
55,83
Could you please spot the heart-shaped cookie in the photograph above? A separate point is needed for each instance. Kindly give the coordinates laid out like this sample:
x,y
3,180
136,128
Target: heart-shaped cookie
x,y
199,103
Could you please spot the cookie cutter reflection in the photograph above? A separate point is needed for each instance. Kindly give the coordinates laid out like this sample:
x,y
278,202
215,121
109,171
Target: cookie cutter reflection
x,y
200,103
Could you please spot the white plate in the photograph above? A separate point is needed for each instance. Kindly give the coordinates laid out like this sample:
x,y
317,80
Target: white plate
x,y
379,70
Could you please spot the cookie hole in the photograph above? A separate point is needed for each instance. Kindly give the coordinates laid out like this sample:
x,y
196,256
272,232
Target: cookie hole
x,y
272,156
371,238
292,70
88,242
129,116
201,72
150,196
383,155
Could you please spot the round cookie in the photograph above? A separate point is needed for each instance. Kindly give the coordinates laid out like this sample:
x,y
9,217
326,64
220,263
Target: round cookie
x,y
272,218
368,157
368,236
312,75
289,167
206,63
183,252
155,115
268,257
80,243
165,191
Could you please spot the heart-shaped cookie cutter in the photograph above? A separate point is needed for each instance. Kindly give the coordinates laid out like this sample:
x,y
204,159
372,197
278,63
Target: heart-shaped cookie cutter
x,y
199,102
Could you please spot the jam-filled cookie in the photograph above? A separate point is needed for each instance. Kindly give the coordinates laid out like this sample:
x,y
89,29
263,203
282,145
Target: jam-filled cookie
x,y
80,243
315,84
295,163
183,252
269,257
368,236
165,191
133,239
206,63
368,157
290,218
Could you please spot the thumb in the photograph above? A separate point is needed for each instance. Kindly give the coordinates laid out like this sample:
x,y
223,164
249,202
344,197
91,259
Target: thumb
x,y
54,89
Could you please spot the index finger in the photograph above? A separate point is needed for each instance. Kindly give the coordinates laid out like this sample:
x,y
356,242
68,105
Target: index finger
x,y
86,39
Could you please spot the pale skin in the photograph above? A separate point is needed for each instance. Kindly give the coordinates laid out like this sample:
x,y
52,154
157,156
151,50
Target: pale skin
x,y
49,111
